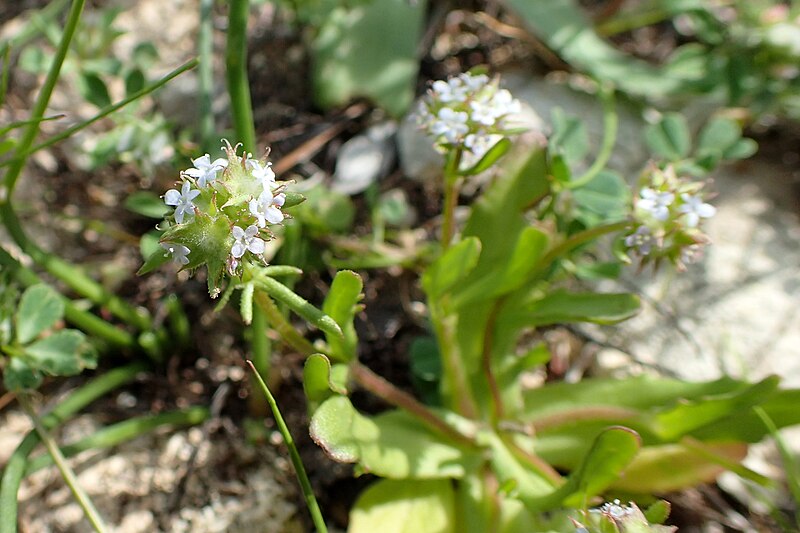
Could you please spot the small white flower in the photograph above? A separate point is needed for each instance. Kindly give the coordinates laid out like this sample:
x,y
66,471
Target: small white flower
x,y
655,203
247,240
642,240
695,209
489,111
177,251
452,90
204,171
263,174
474,82
450,124
267,208
182,201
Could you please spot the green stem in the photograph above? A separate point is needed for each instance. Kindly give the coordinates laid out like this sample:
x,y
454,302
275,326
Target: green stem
x,y
610,126
23,155
15,467
497,408
242,111
300,471
455,377
632,21
205,73
236,72
61,463
298,304
123,432
279,323
451,190
43,98
5,55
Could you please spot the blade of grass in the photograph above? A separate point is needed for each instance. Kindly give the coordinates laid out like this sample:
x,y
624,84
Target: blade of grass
x,y
790,465
15,467
22,155
302,477
43,98
122,432
78,493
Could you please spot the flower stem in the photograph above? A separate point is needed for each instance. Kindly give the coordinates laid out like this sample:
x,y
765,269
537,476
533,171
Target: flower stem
x,y
66,472
452,183
299,469
610,125
287,332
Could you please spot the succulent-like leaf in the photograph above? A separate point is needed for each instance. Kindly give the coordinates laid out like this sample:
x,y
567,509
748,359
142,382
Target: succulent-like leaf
x,y
342,304
393,444
40,308
405,506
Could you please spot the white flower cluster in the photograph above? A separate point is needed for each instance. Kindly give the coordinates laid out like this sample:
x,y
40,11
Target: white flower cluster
x,y
240,191
669,212
468,111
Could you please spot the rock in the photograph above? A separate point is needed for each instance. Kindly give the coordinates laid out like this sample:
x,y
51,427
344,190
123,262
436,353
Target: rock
x,y
365,159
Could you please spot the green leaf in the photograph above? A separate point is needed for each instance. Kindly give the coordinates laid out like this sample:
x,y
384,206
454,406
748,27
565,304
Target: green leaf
x,y
147,204
246,303
94,89
561,307
672,467
318,382
134,82
688,416
604,199
39,309
369,50
717,136
747,426
565,27
407,506
325,211
742,149
612,451
342,305
156,259
569,137
393,444
426,369
64,353
452,267
523,481
18,375
658,512
510,275
491,156
497,217
670,138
